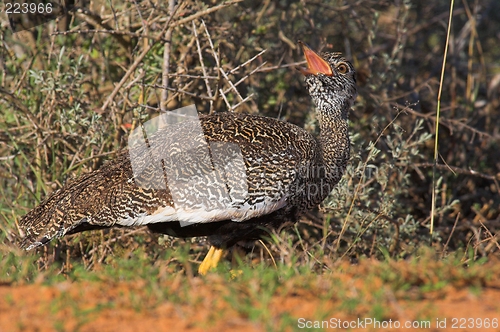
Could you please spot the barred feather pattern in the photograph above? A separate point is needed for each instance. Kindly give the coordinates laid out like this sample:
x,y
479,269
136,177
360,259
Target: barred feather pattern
x,y
255,167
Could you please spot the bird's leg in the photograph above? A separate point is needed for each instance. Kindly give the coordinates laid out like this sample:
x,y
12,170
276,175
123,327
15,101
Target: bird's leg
x,y
238,254
211,260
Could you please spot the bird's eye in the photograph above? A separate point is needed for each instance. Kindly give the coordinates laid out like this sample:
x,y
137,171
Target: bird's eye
x,y
343,68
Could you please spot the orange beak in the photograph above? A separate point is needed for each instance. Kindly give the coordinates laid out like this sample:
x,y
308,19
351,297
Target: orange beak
x,y
315,63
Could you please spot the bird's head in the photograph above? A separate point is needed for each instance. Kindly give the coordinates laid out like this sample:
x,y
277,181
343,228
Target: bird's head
x,y
330,78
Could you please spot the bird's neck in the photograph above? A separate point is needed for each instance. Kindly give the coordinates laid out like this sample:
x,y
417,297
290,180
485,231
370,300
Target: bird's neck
x,y
334,134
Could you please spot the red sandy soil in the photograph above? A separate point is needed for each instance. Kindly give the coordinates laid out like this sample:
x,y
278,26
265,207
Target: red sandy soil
x,y
126,306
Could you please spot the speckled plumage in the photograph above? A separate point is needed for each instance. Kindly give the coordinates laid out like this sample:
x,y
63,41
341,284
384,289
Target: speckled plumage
x,y
259,172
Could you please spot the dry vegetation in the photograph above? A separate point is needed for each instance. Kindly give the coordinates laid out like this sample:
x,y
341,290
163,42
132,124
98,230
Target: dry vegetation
x,y
72,91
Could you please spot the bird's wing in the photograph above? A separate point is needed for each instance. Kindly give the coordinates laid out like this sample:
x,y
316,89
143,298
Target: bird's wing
x,y
223,167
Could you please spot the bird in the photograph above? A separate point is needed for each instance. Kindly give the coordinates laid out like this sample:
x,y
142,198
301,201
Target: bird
x,y
228,176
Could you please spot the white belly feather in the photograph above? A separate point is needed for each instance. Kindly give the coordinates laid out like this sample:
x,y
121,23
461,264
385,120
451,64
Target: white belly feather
x,y
188,217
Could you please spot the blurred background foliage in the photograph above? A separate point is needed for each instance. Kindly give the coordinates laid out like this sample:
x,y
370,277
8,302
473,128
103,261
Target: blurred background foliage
x,y
59,119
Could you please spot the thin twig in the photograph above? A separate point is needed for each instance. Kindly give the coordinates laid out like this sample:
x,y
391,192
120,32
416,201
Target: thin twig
x,y
203,69
459,170
136,63
217,62
288,65
204,12
111,32
166,59
449,123
451,233
247,98
438,111
245,77
224,97
234,70
207,77
182,91
94,19
232,87
269,252
491,236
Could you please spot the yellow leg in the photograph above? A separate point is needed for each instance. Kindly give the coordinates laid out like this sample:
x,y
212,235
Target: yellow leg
x,y
211,260
238,256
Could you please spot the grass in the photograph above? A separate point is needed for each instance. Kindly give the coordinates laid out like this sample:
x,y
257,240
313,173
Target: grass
x,y
365,252
264,296
56,129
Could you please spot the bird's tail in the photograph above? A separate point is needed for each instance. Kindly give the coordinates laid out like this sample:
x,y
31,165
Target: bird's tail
x,y
54,217
76,203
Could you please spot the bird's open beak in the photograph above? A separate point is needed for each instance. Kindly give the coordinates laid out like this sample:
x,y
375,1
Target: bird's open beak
x,y
315,63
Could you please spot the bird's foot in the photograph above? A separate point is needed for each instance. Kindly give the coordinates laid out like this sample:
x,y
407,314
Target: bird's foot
x,y
211,260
